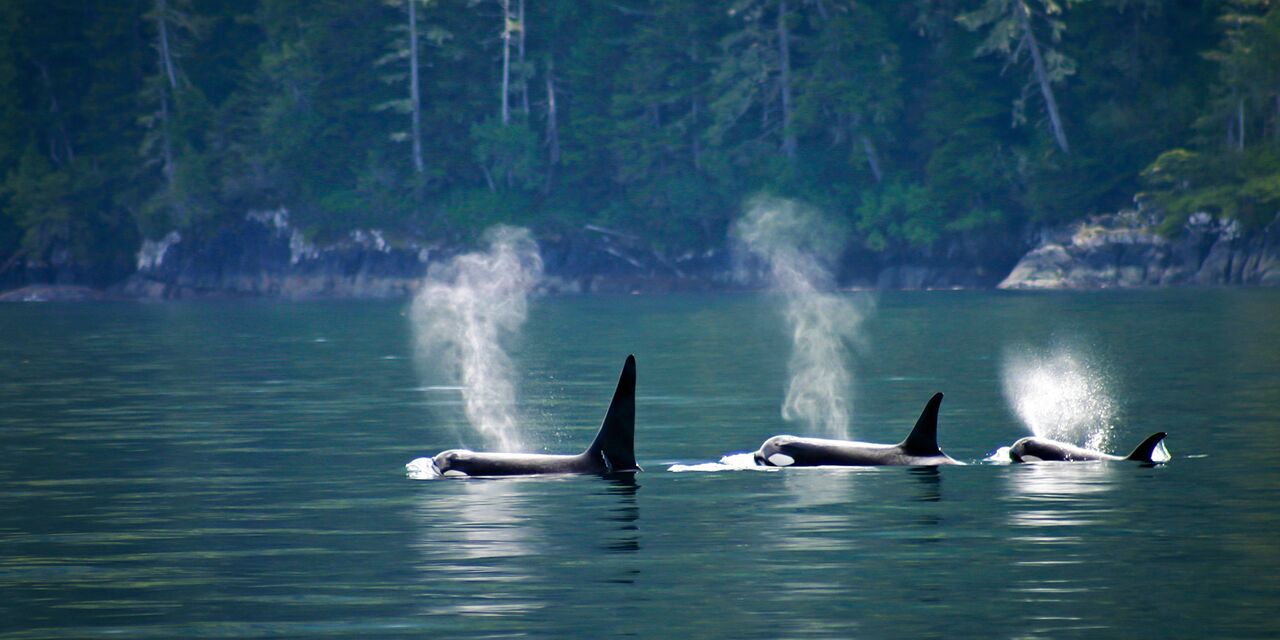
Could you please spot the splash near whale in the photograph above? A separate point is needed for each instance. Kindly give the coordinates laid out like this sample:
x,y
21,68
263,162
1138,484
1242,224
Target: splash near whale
x,y
1060,393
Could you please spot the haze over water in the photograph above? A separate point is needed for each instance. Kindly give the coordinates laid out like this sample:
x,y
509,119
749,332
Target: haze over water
x,y
236,470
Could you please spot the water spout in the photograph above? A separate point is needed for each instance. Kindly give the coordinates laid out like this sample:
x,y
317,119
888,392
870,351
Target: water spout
x,y
1059,394
461,315
797,246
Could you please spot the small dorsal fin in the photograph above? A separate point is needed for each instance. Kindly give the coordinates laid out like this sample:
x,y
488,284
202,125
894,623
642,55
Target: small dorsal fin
x,y
1145,451
923,440
615,441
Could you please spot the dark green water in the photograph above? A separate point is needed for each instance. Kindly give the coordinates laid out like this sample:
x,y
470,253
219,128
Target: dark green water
x,y
237,470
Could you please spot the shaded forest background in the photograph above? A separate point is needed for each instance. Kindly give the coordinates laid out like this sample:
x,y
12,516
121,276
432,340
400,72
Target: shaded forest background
x,y
909,121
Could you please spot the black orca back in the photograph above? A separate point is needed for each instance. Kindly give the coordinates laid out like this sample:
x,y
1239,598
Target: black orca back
x,y
1145,450
615,442
923,440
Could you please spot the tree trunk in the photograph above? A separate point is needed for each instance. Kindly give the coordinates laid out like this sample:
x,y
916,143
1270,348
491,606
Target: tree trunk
x,y
414,96
506,61
784,81
822,10
1042,75
872,158
167,169
1240,123
166,64
59,124
524,81
553,130
166,60
488,178
695,110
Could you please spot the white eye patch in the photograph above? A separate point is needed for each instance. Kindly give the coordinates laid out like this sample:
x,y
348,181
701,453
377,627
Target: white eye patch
x,y
454,473
781,460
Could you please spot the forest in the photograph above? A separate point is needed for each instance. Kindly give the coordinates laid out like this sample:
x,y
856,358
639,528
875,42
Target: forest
x,y
908,121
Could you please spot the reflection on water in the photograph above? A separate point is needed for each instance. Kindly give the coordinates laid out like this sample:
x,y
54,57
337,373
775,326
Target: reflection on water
x,y
837,543
813,524
1053,494
175,471
930,483
625,515
480,532
1070,481
1054,510
509,550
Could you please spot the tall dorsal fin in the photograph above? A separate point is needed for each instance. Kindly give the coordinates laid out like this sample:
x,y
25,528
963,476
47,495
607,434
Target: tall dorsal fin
x,y
616,439
1148,447
923,440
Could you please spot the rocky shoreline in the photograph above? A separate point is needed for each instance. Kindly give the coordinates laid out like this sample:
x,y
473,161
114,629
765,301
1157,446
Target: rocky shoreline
x,y
265,256
1124,251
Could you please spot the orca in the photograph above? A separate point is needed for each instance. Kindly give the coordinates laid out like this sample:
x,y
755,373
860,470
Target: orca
x,y
1034,449
920,448
612,451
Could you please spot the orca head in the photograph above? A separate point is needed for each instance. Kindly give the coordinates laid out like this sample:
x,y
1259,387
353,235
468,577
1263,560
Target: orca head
x,y
770,454
453,463
1020,451
422,469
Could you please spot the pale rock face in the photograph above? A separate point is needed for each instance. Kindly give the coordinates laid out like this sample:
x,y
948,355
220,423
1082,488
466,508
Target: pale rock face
x,y
152,253
267,256
1045,267
1123,251
300,248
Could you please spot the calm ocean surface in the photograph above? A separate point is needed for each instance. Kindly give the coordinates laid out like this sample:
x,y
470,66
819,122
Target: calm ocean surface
x,y
233,470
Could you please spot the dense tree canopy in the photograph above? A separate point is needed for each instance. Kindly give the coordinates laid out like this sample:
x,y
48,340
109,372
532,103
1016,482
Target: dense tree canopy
x,y
914,120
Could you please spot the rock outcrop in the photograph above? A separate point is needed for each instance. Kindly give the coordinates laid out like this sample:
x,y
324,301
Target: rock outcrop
x,y
265,256
966,261
1123,250
598,260
56,293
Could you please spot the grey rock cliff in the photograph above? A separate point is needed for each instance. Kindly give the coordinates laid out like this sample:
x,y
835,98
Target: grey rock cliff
x,y
265,256
1123,251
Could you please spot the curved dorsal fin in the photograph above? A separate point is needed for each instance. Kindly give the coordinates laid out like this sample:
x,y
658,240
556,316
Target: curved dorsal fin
x,y
615,441
923,440
1148,447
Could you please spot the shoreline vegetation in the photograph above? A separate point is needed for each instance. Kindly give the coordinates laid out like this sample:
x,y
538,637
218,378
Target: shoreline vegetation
x,y
953,143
